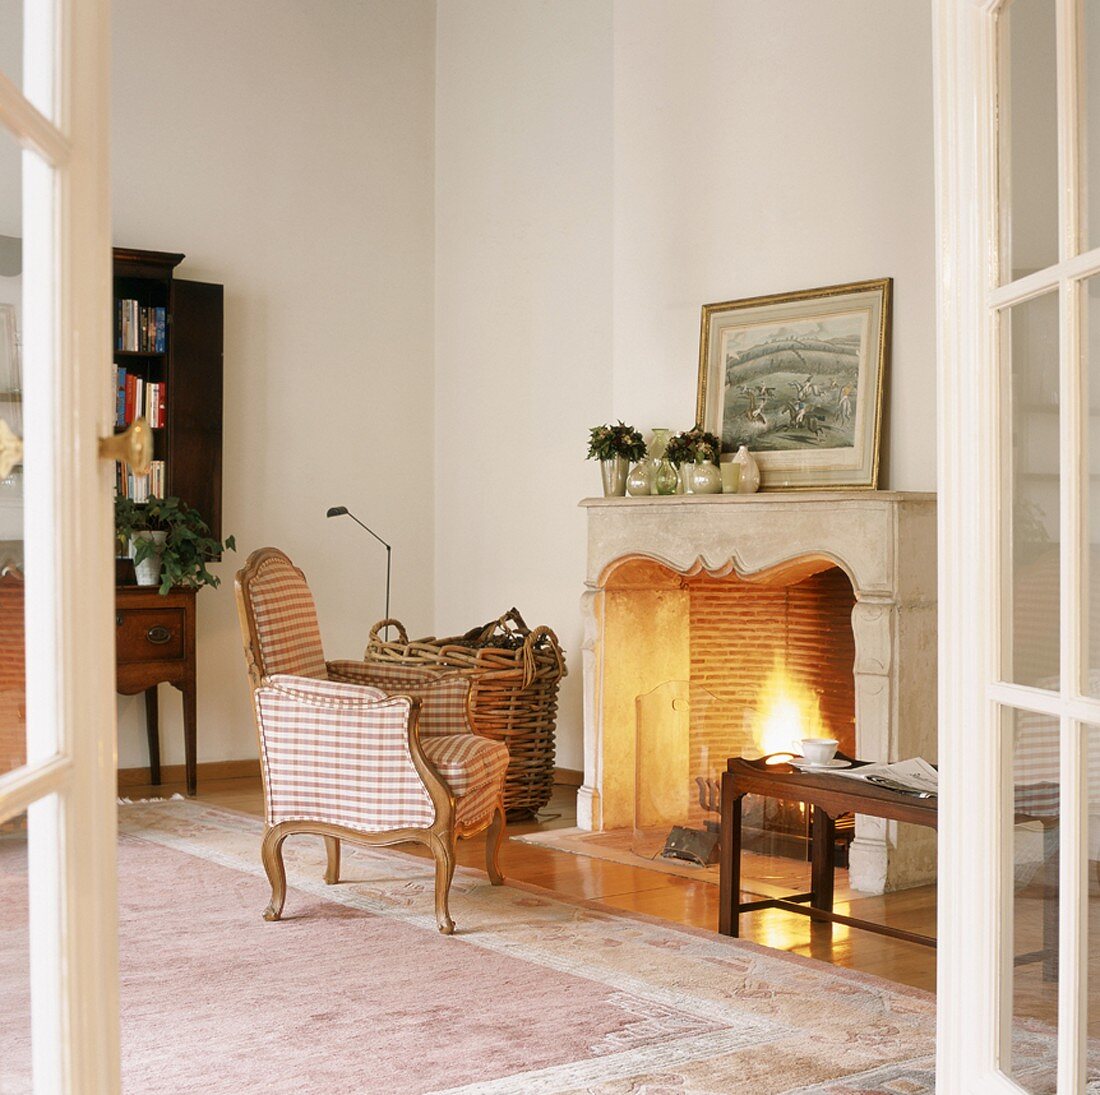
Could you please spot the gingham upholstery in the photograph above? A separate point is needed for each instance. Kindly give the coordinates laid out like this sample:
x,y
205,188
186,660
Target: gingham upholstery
x,y
339,754
391,677
286,620
466,761
445,700
478,804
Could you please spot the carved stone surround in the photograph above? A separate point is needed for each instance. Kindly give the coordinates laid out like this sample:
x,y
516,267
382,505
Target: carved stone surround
x,y
884,541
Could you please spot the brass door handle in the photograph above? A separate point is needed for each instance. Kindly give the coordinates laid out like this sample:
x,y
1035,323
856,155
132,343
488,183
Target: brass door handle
x,y
133,447
11,449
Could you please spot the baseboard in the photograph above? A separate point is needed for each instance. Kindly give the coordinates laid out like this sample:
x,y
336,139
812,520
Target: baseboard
x,y
174,773
244,769
568,777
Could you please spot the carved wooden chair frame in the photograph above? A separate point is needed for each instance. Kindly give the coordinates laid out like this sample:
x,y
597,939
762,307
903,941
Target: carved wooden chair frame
x,y
440,837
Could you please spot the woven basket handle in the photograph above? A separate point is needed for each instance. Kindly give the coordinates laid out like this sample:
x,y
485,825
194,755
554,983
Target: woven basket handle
x,y
529,665
376,631
506,624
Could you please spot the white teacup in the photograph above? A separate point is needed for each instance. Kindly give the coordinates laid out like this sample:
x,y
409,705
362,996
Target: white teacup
x,y
819,750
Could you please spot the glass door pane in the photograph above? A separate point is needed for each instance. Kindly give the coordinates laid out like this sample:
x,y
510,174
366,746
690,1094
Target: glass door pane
x,y
1028,138
1029,340
13,723
15,1031
11,40
1092,883
1034,912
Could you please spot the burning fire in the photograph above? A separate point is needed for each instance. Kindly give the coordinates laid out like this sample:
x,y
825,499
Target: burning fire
x,y
786,711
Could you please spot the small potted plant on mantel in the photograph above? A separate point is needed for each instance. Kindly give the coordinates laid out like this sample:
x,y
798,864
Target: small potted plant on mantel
x,y
615,447
169,543
687,447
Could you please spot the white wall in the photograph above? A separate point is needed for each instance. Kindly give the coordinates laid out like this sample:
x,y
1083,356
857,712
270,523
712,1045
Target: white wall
x,y
756,146
523,321
601,169
287,149
764,146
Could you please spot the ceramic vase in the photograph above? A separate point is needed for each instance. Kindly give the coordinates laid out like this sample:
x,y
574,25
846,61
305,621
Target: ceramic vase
x,y
749,481
614,473
665,479
148,570
640,480
705,478
656,453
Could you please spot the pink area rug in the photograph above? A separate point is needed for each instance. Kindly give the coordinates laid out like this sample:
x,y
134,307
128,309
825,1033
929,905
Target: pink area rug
x,y
356,991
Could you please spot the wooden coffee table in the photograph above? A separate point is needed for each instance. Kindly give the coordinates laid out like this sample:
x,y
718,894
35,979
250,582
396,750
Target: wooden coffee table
x,y
829,796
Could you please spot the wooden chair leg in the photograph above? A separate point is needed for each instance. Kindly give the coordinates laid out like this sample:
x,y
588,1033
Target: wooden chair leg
x,y
332,870
443,849
272,853
493,840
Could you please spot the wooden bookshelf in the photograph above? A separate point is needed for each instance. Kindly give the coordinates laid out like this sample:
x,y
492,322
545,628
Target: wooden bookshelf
x,y
190,367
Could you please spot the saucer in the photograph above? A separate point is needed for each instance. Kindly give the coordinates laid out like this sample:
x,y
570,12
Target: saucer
x,y
806,765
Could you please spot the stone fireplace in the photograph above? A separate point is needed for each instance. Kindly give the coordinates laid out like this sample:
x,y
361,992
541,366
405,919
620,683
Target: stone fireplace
x,y
830,595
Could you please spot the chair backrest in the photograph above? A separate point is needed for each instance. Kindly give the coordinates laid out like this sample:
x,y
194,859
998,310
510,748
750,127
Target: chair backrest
x,y
278,618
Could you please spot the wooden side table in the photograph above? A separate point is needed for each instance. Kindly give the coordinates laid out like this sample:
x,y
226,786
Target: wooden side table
x,y
155,644
829,796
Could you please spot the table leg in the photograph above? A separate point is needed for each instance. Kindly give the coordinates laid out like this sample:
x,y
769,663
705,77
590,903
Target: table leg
x,y
729,859
190,736
152,730
823,862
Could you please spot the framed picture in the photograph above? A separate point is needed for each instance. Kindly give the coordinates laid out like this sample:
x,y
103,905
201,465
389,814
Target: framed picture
x,y
798,378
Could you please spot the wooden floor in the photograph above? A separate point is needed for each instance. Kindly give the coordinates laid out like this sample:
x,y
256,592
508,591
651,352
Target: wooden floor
x,y
682,900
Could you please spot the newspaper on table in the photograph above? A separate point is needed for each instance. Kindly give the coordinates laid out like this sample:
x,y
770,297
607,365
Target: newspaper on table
x,y
910,777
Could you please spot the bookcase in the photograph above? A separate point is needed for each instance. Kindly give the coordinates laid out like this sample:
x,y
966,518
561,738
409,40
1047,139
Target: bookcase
x,y
168,335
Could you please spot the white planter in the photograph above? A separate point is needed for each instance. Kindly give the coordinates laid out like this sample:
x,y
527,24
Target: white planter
x,y
614,473
148,570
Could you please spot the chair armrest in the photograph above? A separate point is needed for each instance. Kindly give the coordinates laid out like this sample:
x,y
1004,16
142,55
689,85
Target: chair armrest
x,y
444,696
325,693
344,754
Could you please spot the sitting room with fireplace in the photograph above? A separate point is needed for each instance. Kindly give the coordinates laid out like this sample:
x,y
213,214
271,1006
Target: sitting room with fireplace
x,y
550,547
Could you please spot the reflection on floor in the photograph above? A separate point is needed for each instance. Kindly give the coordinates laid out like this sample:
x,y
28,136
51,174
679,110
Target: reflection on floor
x,y
638,888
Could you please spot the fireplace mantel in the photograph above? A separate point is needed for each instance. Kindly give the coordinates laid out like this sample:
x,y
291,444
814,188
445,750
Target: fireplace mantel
x,y
885,541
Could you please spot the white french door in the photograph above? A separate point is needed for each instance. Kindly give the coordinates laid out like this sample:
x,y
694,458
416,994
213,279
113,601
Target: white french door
x,y
1018,170
57,753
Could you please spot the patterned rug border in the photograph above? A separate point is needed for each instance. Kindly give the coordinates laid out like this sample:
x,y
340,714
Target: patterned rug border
x,y
816,965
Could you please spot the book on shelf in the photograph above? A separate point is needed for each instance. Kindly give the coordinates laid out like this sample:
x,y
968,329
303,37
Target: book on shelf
x,y
135,393
120,395
140,488
155,404
135,396
141,328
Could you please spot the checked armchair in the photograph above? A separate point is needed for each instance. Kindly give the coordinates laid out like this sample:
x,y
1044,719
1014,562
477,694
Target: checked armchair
x,y
359,752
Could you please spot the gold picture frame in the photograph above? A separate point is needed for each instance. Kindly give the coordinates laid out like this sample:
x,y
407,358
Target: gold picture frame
x,y
799,378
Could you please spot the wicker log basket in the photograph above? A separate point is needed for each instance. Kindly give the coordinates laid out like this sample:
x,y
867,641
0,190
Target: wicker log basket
x,y
515,672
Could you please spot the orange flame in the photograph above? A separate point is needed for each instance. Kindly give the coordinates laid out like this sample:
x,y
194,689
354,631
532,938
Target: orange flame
x,y
786,711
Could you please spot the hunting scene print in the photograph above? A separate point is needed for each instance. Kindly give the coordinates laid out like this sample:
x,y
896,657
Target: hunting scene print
x,y
797,379
792,386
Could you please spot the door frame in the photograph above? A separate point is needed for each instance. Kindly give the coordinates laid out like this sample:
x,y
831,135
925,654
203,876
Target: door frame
x,y
69,783
974,969
968,1007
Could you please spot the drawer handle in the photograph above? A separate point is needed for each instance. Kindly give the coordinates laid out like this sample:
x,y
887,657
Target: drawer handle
x,y
159,635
